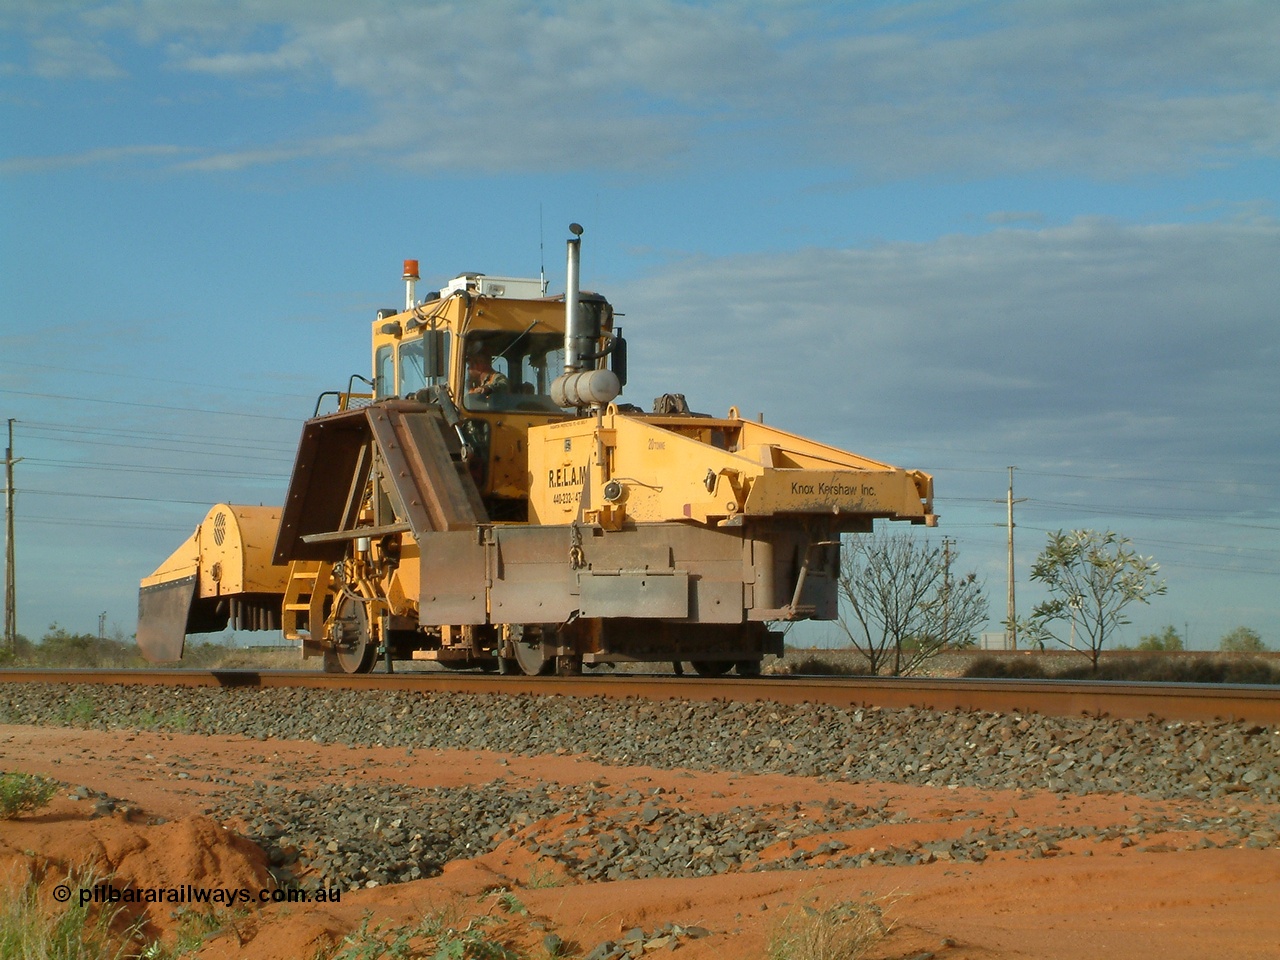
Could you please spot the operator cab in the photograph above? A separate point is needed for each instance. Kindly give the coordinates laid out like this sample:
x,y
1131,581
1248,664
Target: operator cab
x,y
518,336
506,372
496,345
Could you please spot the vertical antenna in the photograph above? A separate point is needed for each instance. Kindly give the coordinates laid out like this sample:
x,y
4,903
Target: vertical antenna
x,y
542,257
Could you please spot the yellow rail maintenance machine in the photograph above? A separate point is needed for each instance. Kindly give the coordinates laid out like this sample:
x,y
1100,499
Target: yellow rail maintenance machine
x,y
490,504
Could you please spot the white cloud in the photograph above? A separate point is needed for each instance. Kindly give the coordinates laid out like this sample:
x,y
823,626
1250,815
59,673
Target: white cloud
x,y
1007,217
104,156
1018,86
287,59
71,58
1096,340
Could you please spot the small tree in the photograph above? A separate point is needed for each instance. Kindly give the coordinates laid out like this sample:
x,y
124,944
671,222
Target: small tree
x,y
904,607
1242,640
1091,578
1166,640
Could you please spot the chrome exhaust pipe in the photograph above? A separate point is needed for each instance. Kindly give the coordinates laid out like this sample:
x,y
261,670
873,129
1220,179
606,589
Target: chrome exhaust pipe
x,y
573,333
582,385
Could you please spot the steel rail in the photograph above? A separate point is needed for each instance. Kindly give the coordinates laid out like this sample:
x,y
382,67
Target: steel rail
x,y
1063,698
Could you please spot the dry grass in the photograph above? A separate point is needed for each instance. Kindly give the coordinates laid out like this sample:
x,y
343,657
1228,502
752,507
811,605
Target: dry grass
x,y
842,931
31,928
234,658
59,649
828,664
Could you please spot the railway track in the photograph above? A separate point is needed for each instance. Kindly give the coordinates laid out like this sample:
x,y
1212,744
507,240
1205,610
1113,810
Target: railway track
x,y
1171,702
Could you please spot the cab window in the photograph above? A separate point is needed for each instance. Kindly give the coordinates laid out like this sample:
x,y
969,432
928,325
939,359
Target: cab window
x,y
413,376
506,371
384,372
412,369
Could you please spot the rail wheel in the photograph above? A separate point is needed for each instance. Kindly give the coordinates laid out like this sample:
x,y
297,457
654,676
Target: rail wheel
x,y
530,660
355,651
747,668
711,668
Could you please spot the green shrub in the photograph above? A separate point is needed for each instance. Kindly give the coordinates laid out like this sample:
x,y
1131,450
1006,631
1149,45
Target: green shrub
x,y
20,792
436,929
1151,669
817,665
1002,668
79,710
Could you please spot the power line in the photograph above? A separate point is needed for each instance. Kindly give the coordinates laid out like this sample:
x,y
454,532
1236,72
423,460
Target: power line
x,y
1121,511
1257,483
148,406
133,433
1163,512
160,469
189,451
26,365
1157,481
100,522
109,496
188,445
1199,515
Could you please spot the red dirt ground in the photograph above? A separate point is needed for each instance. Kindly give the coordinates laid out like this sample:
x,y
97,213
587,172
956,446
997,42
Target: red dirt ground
x,y
1159,897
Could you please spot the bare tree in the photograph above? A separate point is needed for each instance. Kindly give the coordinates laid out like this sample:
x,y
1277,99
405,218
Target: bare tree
x,y
1091,578
903,606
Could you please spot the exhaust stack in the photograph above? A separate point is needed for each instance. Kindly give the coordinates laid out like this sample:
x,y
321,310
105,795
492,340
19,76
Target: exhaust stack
x,y
582,385
573,333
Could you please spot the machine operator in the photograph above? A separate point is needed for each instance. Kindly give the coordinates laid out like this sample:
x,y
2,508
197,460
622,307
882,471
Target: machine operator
x,y
484,380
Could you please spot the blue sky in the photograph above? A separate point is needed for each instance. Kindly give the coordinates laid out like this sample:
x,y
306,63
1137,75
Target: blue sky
x,y
952,236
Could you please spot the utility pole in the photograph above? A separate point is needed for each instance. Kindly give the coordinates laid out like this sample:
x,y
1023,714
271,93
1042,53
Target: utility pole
x,y
1012,615
10,580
